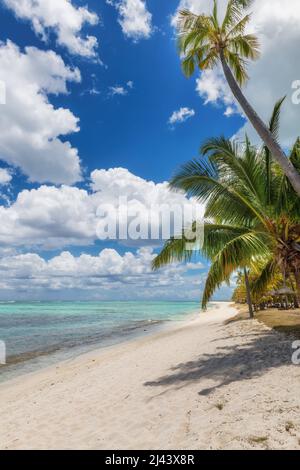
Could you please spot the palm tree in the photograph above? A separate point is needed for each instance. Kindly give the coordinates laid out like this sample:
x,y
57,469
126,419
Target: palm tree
x,y
248,293
204,42
263,298
252,214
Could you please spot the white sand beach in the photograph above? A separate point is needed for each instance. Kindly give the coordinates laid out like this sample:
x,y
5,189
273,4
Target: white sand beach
x,y
200,385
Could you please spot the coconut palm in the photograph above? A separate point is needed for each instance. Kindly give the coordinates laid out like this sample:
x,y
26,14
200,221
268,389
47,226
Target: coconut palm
x,y
252,214
272,294
204,42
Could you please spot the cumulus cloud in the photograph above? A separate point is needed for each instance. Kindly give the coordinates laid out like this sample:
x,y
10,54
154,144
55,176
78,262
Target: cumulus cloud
x,y
30,126
271,77
212,87
134,18
102,276
160,212
5,177
182,115
108,263
51,217
61,16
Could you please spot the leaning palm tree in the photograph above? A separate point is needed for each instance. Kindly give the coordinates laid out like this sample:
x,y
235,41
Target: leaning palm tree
x,y
250,219
204,42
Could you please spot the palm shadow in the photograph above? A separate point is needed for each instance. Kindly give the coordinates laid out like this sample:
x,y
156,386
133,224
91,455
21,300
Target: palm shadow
x,y
232,363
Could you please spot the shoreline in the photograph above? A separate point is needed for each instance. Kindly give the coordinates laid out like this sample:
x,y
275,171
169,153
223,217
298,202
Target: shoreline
x,y
37,351
40,360
62,356
185,388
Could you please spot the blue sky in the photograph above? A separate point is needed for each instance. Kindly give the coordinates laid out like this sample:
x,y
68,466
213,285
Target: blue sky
x,y
75,105
131,131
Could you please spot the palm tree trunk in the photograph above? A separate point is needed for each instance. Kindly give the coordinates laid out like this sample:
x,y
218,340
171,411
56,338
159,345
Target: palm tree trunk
x,y
297,278
260,127
248,291
296,296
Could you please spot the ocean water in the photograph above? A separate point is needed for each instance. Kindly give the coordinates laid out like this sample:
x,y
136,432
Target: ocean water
x,y
37,334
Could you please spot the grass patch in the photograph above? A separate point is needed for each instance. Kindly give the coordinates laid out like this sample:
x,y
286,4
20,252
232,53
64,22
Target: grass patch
x,y
220,406
258,439
287,322
289,426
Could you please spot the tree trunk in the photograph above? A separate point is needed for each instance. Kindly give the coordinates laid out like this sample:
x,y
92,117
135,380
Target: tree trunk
x,y
297,278
262,130
249,300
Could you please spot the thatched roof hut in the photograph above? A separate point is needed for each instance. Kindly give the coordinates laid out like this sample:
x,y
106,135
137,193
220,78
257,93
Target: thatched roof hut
x,y
283,291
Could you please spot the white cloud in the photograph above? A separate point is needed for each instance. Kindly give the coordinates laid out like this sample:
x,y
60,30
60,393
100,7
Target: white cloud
x,y
62,17
271,77
212,87
108,263
30,126
134,18
51,217
229,111
5,176
121,90
118,90
105,275
182,115
198,6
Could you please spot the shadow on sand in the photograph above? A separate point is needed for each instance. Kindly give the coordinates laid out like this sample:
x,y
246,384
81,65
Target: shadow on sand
x,y
259,354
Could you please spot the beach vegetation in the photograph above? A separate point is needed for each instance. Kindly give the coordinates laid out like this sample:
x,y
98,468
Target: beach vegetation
x,y
252,217
205,42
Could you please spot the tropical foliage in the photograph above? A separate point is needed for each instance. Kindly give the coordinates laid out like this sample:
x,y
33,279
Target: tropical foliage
x,y
252,214
202,40
273,295
205,41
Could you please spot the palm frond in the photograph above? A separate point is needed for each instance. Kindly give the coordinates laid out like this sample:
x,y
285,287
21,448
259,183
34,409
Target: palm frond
x,y
225,155
246,46
238,28
275,118
188,66
200,179
238,66
295,155
274,128
188,21
242,173
216,236
214,16
235,254
209,61
266,276
234,12
177,249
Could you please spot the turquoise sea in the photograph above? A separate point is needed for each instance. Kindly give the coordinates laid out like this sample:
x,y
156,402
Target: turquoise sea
x,y
37,334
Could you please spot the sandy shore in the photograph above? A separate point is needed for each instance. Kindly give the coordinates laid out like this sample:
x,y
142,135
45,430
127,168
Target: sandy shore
x,y
203,385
